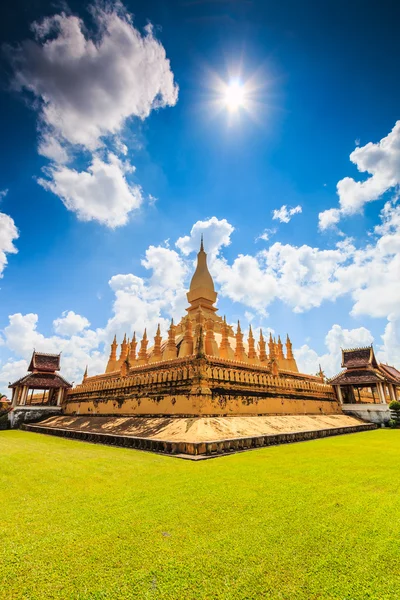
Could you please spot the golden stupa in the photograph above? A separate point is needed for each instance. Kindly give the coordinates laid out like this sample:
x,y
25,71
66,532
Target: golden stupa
x,y
202,368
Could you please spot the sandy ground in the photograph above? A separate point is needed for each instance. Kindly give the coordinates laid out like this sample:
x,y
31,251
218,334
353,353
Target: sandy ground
x,y
201,429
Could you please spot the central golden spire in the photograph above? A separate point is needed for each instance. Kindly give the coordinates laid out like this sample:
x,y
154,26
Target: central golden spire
x,y
201,292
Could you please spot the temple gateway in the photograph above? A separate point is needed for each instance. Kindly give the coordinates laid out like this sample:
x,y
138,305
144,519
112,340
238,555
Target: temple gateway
x,y
207,388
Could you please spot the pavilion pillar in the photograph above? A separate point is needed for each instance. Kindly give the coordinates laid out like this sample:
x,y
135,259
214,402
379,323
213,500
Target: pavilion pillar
x,y
60,396
24,395
339,394
381,392
14,397
392,391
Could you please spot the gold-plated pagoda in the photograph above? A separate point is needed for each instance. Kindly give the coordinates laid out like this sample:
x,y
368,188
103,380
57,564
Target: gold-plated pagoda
x,y
201,291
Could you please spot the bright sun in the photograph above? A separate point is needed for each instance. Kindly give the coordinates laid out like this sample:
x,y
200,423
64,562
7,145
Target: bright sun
x,y
234,96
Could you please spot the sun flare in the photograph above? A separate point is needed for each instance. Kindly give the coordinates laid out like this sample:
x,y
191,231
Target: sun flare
x,y
234,96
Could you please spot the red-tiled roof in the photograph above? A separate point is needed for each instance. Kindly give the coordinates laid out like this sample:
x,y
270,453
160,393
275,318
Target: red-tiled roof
x,y
392,372
44,362
358,357
42,381
357,377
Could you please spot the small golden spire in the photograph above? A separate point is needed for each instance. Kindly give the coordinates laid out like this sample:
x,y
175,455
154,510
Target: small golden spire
x,y
271,346
132,349
124,347
225,350
156,355
86,374
250,341
200,353
142,359
170,348
239,350
112,361
211,346
186,348
289,351
280,355
262,346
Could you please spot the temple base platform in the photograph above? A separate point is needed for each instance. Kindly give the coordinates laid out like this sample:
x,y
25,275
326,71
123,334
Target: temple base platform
x,y
199,437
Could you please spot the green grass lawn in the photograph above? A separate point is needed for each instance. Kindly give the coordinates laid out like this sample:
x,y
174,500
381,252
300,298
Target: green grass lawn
x,y
314,520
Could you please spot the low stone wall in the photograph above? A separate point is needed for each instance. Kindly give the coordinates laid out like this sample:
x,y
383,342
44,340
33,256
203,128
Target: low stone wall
x,y
197,449
373,413
31,414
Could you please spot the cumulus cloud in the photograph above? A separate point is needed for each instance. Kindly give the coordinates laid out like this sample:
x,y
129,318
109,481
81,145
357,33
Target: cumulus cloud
x,y
216,233
70,323
265,235
88,84
337,338
102,193
87,81
146,302
381,161
8,234
284,214
79,349
10,372
301,277
3,193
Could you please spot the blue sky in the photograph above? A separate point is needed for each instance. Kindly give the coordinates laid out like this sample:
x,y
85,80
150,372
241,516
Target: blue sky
x,y
108,150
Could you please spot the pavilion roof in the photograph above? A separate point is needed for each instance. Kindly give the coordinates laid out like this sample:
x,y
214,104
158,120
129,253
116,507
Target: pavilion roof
x,y
357,377
44,362
390,372
42,381
358,357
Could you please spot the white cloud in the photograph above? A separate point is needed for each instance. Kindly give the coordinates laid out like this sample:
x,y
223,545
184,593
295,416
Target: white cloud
x,y
216,234
52,148
102,193
70,323
389,351
284,214
245,281
141,302
78,350
382,162
10,372
8,234
265,235
88,84
329,218
3,193
337,338
301,277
